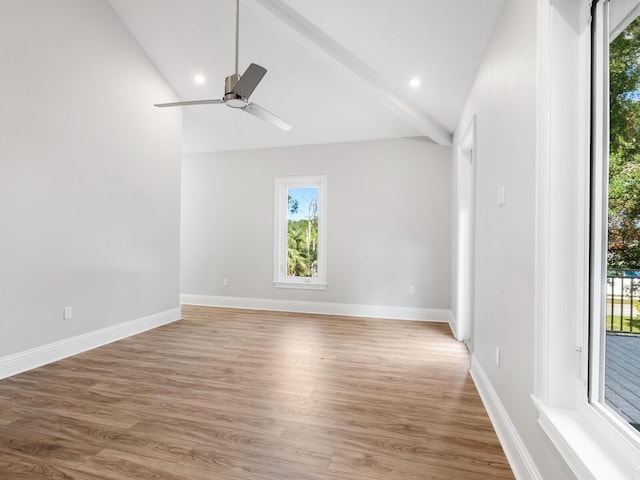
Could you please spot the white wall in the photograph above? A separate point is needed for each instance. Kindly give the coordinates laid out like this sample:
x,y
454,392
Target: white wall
x,y
504,99
89,175
388,222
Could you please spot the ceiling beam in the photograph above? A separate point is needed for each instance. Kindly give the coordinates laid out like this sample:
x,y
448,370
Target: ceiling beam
x,y
299,29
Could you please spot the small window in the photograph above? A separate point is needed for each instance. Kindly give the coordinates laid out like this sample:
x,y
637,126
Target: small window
x,y
300,232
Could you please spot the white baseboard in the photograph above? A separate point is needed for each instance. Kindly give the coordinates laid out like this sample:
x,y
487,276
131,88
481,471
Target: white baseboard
x,y
453,324
52,352
350,310
523,466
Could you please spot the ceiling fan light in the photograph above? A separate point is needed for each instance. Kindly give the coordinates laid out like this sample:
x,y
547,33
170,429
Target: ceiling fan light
x,y
236,103
199,79
414,82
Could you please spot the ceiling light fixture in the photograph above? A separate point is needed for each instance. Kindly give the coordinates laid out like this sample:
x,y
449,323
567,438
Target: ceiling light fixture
x,y
414,82
199,79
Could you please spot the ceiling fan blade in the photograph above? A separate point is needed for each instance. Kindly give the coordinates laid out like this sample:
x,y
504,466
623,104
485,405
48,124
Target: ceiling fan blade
x,y
266,115
249,81
190,102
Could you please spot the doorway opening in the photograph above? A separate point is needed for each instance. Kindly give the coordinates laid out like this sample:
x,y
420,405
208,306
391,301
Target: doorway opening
x,y
466,235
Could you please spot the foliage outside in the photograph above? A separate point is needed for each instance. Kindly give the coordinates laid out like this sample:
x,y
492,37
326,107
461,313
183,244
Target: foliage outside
x,y
622,303
624,150
302,241
623,324
622,319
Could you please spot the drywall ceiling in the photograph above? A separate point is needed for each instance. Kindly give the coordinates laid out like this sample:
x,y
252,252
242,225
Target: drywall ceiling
x,y
338,70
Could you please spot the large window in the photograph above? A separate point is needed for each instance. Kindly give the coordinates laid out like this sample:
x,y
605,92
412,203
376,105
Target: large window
x,y
300,232
614,373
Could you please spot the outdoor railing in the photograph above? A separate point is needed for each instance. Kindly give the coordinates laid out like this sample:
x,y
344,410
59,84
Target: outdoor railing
x,y
623,301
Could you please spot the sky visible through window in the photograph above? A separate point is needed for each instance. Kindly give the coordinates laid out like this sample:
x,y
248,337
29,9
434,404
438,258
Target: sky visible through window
x,y
304,197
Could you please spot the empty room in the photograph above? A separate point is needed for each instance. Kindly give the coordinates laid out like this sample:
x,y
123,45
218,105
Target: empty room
x,y
324,240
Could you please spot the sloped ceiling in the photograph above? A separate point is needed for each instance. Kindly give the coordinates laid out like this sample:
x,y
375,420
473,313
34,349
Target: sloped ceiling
x,y
338,70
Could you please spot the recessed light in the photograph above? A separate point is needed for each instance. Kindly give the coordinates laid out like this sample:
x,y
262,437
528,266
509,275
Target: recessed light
x,y
414,82
199,79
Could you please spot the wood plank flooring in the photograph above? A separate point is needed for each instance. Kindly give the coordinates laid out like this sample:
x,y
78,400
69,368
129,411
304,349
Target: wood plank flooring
x,y
239,395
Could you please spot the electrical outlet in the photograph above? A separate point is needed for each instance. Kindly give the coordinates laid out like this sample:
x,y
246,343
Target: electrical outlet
x,y
411,290
225,282
68,313
498,356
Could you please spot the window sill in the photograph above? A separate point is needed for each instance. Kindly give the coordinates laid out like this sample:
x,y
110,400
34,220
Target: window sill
x,y
301,285
589,451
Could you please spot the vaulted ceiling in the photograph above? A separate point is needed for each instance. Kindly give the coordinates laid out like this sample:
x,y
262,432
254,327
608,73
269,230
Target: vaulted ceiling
x,y
338,70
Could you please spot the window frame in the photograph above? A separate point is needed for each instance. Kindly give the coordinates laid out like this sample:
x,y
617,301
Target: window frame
x,y
583,434
281,206
599,220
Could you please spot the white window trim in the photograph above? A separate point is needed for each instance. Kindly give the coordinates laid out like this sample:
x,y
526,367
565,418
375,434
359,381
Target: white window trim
x,y
585,435
280,277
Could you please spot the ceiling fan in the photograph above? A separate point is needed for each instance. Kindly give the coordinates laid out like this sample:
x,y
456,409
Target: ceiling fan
x,y
237,89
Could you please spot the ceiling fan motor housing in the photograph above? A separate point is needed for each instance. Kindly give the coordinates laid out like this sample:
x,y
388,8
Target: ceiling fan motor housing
x,y
230,98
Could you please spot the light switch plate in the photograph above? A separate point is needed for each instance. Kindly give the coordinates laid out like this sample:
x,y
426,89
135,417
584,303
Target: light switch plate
x,y
502,195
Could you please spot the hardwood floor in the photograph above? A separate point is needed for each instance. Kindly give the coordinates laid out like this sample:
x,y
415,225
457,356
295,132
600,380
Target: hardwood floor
x,y
238,395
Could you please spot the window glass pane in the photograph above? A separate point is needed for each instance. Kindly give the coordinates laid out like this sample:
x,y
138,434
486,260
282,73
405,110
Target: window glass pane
x,y
622,303
302,232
